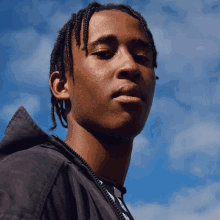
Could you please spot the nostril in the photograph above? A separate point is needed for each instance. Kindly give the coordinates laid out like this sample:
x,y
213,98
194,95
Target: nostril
x,y
137,76
123,73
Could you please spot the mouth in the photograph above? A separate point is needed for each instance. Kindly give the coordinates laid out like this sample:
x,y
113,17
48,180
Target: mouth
x,y
129,99
130,94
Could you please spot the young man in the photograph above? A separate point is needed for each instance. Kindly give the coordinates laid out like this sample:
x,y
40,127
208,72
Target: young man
x,y
102,68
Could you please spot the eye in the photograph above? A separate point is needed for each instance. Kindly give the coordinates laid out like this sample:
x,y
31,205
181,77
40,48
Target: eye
x,y
142,58
103,55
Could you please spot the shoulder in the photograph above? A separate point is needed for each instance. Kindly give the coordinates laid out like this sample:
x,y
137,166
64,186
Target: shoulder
x,y
26,179
34,159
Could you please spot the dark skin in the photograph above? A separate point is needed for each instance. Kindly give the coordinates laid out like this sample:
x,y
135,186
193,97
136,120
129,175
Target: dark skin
x,y
100,128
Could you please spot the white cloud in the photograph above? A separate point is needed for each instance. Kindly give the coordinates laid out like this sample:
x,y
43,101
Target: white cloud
x,y
44,9
167,106
200,47
141,152
30,102
196,149
190,6
58,20
163,44
188,204
30,58
216,97
196,94
190,46
202,137
140,142
186,50
25,40
203,100
207,24
34,69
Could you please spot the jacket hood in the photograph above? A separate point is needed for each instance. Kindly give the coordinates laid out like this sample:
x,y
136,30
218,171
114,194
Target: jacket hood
x,y
23,133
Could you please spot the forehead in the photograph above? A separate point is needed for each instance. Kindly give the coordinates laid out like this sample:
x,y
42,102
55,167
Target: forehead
x,y
114,22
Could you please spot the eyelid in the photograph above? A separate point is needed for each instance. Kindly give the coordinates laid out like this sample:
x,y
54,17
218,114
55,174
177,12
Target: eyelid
x,y
101,50
101,46
142,55
107,51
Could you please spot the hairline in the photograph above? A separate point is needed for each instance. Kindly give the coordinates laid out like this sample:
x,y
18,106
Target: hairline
x,y
100,10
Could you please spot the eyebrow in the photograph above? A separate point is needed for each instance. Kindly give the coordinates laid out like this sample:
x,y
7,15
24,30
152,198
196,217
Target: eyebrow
x,y
108,39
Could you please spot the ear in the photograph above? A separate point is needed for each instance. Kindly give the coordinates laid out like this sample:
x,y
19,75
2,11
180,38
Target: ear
x,y
60,89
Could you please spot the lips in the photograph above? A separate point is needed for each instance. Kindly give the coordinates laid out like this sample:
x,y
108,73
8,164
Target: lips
x,y
130,90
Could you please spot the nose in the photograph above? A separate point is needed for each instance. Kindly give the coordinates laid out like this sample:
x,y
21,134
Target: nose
x,y
127,65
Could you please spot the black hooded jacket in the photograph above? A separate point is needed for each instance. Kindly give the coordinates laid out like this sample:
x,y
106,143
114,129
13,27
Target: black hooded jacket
x,y
42,178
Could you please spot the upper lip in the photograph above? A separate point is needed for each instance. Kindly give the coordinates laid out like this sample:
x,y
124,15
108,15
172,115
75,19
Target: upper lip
x,y
130,90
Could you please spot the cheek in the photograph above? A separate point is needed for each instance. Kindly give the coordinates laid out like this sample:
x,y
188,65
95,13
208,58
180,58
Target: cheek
x,y
149,80
87,89
152,82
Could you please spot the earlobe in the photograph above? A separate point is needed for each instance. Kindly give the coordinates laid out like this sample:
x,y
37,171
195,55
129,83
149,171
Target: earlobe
x,y
60,89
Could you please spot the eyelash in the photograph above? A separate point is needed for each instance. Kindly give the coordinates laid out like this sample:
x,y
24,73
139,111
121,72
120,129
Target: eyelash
x,y
102,55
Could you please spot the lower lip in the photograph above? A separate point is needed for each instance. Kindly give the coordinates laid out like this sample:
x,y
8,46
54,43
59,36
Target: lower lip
x,y
128,99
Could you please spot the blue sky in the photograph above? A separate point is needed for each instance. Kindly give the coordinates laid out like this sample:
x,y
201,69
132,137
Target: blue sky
x,y
174,171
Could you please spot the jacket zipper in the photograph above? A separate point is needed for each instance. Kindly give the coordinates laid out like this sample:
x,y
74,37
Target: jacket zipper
x,y
121,217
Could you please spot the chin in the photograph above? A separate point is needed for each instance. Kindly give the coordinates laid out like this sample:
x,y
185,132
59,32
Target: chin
x,y
128,128
125,125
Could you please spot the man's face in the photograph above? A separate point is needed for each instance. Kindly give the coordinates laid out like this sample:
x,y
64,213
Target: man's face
x,y
119,63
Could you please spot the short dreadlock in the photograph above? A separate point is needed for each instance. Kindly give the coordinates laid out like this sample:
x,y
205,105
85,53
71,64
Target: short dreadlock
x,y
62,57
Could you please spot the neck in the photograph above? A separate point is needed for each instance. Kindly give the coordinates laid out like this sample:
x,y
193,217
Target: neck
x,y
107,155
